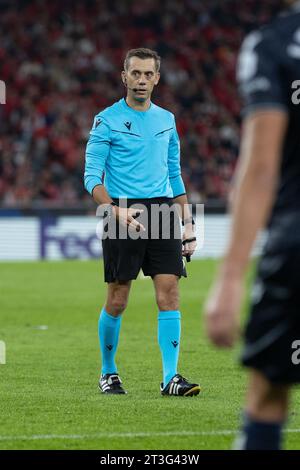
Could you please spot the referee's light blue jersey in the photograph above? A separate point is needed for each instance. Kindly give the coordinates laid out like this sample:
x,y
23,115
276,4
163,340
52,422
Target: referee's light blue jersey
x,y
138,153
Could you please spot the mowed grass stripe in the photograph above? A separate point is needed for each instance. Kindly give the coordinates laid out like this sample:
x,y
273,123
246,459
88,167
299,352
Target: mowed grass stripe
x,y
225,432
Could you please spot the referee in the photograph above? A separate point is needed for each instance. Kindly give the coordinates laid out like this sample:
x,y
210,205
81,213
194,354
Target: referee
x,y
135,145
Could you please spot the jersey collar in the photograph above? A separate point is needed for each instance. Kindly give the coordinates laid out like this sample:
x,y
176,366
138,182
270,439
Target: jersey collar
x,y
127,107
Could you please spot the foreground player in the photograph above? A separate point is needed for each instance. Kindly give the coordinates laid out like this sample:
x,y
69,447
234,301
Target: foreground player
x,y
136,144
267,192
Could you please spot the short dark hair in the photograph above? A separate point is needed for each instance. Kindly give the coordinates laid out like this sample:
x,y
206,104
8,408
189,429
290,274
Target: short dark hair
x,y
142,53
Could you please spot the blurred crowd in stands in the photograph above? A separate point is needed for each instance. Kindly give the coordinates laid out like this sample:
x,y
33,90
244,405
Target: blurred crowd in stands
x,y
61,62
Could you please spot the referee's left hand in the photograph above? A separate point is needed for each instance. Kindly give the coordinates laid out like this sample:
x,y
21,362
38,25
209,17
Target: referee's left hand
x,y
188,249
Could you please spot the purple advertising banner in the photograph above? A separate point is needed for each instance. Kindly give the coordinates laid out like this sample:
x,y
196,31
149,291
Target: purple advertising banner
x,y
69,238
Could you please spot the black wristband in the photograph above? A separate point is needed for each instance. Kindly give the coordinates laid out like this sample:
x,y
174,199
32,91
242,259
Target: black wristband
x,y
190,220
189,240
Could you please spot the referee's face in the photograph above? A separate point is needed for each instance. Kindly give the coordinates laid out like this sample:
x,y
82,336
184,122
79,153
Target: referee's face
x,y
140,78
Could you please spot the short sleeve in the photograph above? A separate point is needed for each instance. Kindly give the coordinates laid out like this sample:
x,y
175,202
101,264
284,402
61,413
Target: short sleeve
x,y
259,74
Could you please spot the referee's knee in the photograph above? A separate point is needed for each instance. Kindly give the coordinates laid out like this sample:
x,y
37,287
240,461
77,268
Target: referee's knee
x,y
168,301
116,306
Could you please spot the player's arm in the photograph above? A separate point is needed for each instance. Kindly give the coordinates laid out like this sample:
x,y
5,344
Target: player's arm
x,y
253,198
97,151
264,93
179,193
255,185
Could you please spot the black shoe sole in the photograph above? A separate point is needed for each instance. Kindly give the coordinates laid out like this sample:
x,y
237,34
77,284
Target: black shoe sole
x,y
190,393
112,392
193,392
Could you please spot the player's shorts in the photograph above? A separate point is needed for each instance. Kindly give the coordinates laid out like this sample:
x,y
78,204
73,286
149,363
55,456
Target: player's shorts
x,y
273,330
156,251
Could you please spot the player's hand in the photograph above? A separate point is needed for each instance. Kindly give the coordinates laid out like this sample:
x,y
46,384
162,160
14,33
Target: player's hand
x,y
188,249
127,217
222,311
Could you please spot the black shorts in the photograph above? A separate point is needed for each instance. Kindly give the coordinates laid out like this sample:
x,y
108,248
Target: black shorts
x,y
273,330
151,252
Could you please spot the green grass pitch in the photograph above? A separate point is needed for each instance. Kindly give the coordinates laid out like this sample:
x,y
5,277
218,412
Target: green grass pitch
x,y
48,387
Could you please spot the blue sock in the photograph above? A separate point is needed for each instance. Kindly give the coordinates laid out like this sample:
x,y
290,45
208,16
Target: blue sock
x,y
108,329
169,342
259,435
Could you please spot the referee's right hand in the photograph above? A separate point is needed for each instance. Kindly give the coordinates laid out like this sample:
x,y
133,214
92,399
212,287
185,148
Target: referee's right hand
x,y
127,218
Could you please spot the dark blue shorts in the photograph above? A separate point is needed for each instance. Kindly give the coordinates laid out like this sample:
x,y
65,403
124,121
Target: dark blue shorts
x,y
273,331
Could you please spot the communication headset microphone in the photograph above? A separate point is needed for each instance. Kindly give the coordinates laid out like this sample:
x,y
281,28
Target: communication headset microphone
x,y
131,89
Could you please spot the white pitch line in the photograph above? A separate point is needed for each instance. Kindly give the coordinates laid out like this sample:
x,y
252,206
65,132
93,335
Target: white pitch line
x,y
36,437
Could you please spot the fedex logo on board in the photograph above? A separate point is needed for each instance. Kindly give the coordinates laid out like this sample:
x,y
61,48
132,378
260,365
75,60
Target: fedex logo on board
x,y
69,238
